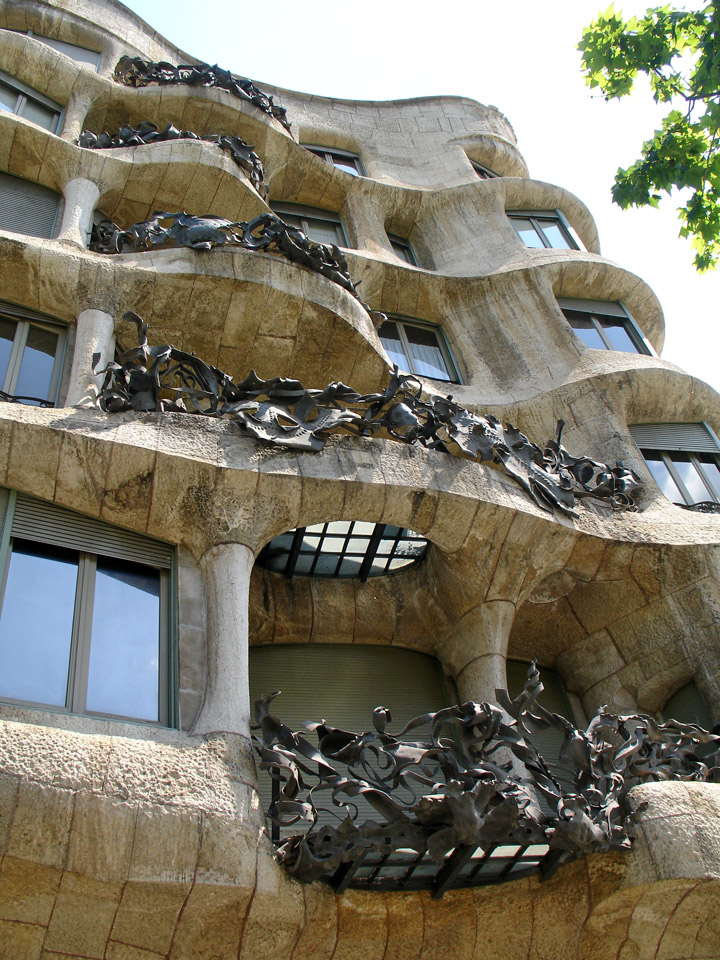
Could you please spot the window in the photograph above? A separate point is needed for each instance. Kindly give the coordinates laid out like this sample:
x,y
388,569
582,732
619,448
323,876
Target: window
x,y
542,229
684,460
688,706
349,162
32,350
23,101
343,548
98,643
417,348
343,683
90,58
603,325
27,207
319,225
402,249
485,173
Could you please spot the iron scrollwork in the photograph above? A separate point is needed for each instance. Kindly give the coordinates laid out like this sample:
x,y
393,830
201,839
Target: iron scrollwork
x,y
136,72
147,132
455,790
282,412
265,233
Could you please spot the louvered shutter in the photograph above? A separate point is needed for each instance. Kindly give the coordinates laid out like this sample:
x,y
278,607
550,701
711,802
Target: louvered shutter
x,y
343,683
72,50
47,523
605,308
26,207
685,437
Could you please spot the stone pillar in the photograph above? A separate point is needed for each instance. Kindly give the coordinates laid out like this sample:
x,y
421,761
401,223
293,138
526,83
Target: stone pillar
x,y
94,334
226,707
74,117
474,652
81,197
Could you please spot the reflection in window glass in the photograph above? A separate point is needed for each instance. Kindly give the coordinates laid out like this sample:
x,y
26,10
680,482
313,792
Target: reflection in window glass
x,y
124,653
617,334
690,478
35,636
8,97
40,114
7,336
38,363
554,235
711,471
584,327
661,476
527,233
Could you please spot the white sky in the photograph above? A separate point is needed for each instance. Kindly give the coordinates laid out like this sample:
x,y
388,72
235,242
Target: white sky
x,y
519,56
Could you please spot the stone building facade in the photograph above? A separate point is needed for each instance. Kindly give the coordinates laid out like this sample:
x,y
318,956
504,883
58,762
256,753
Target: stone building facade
x,y
131,826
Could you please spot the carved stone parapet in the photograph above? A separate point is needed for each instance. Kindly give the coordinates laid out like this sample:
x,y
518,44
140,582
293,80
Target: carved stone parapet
x,y
136,72
283,412
147,132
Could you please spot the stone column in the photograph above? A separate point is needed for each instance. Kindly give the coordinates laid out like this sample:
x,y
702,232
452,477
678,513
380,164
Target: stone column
x,y
81,197
226,707
475,650
94,334
74,118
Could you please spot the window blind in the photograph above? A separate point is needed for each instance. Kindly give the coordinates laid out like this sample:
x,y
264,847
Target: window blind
x,y
685,437
26,207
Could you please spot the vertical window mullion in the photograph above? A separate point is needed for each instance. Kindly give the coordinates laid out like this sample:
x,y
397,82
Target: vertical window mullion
x,y
699,470
6,544
82,630
16,355
676,478
601,332
406,346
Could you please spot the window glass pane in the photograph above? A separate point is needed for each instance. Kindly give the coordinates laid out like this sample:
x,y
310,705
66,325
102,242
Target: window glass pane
x,y
36,623
40,114
527,232
37,364
711,472
324,231
662,478
584,327
125,646
426,355
291,220
554,235
689,475
403,251
390,339
617,333
346,163
7,335
8,97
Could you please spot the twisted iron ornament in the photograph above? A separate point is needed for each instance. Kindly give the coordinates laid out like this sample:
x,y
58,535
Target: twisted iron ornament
x,y
147,132
136,72
454,791
265,233
282,412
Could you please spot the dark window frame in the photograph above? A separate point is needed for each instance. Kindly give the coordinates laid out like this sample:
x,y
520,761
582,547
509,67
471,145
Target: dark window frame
x,y
306,214
483,172
25,320
537,218
25,93
401,322
330,154
603,314
78,665
402,249
708,453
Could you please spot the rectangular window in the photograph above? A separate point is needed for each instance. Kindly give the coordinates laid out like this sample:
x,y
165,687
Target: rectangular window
x,y
684,460
27,208
402,249
418,349
603,325
349,162
31,356
322,226
99,641
23,101
539,229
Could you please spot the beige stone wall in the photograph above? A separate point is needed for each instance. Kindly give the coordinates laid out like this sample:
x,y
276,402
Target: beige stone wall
x,y
128,842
